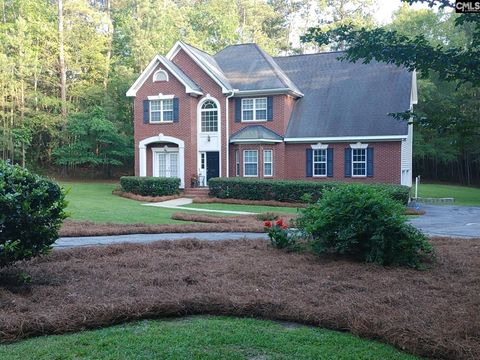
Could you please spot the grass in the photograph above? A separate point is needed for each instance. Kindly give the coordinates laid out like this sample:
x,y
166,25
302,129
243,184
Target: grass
x,y
202,338
95,202
463,195
247,208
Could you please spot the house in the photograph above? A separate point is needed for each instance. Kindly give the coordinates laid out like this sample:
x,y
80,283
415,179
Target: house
x,y
244,113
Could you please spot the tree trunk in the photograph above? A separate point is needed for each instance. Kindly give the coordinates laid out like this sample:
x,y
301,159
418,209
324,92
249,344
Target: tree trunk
x,y
61,60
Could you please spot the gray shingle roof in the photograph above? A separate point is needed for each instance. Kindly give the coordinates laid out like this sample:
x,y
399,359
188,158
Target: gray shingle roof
x,y
248,67
181,74
346,99
255,132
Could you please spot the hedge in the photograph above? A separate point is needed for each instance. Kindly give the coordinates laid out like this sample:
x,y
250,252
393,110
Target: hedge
x,y
289,190
150,186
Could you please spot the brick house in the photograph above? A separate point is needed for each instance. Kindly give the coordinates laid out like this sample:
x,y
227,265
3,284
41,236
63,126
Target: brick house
x,y
244,113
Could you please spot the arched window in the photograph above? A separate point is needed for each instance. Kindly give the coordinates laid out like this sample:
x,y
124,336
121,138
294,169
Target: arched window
x,y
160,75
209,113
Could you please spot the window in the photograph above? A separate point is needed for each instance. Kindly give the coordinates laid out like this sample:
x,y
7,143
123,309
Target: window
x,y
254,109
209,114
202,160
161,110
167,164
320,162
237,163
359,162
160,75
250,163
268,163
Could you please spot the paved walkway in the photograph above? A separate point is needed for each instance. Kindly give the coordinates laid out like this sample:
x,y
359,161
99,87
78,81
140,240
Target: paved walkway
x,y
180,203
446,220
147,238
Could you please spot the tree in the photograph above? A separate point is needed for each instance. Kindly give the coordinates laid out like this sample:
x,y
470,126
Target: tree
x,y
93,141
445,50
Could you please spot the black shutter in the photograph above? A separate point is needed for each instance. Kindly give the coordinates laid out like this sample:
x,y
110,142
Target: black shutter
x,y
309,163
370,162
146,111
269,108
348,162
330,162
238,109
175,110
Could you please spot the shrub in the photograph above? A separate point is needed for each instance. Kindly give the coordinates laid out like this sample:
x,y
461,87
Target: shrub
x,y
266,216
280,235
31,213
150,186
299,191
363,224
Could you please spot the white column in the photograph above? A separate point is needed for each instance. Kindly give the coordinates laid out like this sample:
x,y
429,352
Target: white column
x,y
142,159
181,157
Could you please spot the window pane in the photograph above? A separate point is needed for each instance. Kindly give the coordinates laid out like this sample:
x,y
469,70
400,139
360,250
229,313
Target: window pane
x,y
162,165
267,156
359,162
267,169
173,165
261,103
155,116
248,115
209,121
168,116
251,169
167,104
155,105
247,104
261,115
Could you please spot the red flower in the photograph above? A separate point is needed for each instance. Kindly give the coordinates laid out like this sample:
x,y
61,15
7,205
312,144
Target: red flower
x,y
280,223
267,224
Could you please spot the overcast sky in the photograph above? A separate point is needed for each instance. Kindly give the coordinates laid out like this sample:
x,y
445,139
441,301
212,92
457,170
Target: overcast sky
x,y
387,7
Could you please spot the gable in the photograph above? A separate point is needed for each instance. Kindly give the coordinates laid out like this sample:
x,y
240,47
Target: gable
x,y
190,86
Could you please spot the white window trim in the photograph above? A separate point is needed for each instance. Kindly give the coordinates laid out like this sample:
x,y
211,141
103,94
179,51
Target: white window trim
x,y
160,71
270,162
254,109
323,147
161,121
244,164
163,150
160,96
319,146
358,145
362,147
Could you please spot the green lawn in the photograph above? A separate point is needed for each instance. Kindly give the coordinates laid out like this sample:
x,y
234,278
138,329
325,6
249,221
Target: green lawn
x,y
202,338
248,208
95,202
463,195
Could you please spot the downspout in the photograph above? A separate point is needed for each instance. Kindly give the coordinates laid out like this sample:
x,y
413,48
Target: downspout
x,y
227,135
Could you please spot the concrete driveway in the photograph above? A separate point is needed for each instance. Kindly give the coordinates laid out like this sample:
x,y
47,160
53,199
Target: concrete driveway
x,y
446,220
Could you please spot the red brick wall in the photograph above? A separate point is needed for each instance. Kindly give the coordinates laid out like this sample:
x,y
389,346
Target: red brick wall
x,y
282,109
386,164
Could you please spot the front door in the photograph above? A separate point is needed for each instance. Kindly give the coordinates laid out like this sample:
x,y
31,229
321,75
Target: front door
x,y
213,164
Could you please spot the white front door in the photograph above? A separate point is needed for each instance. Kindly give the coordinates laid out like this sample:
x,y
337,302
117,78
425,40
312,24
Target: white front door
x,y
166,164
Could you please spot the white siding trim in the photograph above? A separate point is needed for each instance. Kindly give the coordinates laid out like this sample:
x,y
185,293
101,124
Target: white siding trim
x,y
346,139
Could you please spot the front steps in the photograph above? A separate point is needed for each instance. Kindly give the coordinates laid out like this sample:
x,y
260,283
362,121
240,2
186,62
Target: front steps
x,y
201,192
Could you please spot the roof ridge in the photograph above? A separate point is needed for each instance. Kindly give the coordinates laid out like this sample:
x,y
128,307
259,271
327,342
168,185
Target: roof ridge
x,y
269,64
196,48
314,54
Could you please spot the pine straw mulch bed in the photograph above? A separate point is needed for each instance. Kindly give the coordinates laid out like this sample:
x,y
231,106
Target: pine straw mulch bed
x,y
143,198
201,223
432,313
213,200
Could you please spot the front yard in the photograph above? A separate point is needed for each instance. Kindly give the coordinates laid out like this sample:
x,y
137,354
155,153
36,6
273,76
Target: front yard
x,y
463,195
431,313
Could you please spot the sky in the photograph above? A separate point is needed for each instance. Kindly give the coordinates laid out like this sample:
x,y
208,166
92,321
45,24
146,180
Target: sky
x,y
387,7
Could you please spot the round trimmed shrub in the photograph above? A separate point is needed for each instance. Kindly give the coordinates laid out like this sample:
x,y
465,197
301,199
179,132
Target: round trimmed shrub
x,y
31,212
364,224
